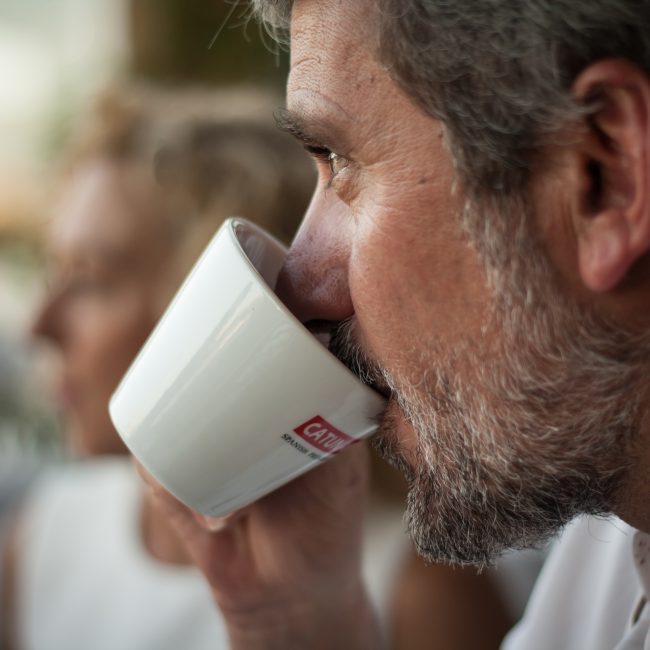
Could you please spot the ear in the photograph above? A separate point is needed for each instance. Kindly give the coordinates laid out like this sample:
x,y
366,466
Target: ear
x,y
613,214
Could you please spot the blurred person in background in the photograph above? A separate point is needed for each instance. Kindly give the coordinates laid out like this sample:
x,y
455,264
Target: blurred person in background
x,y
91,563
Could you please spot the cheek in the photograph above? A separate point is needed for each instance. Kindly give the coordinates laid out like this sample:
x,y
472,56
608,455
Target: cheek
x,y
415,281
110,335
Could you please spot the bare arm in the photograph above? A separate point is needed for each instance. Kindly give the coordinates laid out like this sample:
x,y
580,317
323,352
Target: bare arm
x,y
451,607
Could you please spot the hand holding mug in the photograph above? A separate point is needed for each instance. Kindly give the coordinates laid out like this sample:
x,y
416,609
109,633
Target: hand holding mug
x,y
285,571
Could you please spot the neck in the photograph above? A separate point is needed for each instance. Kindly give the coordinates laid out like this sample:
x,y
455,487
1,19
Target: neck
x,y
633,498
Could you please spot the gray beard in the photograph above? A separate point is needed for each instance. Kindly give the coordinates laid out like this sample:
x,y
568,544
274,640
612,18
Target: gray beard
x,y
539,432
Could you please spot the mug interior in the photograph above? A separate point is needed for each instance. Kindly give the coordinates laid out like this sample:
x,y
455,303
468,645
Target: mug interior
x,y
263,251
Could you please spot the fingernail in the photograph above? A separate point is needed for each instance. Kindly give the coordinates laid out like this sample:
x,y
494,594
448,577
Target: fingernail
x,y
213,524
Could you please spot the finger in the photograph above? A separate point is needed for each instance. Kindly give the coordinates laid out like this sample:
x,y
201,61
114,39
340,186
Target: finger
x,y
180,513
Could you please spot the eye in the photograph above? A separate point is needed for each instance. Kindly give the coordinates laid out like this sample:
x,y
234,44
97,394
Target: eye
x,y
337,163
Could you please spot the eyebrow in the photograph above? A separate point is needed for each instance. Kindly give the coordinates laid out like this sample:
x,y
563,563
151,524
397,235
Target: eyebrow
x,y
314,135
294,125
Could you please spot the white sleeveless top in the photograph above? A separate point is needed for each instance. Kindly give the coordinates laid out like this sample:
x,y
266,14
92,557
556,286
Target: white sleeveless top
x,y
85,580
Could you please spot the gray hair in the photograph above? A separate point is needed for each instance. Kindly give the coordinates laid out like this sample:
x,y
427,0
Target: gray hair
x,y
275,16
497,73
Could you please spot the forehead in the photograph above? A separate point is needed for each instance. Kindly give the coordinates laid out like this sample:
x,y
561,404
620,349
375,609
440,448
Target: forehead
x,y
332,49
340,92
103,208
326,34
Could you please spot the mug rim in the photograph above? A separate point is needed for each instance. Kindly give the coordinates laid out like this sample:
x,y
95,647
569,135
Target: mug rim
x,y
231,223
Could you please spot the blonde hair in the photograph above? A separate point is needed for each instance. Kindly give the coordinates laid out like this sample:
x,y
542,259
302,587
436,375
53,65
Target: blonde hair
x,y
211,154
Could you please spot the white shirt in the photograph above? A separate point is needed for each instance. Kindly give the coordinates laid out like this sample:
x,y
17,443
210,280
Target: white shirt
x,y
591,591
85,580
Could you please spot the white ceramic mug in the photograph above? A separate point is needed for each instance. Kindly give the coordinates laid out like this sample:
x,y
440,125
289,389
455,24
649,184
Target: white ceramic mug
x,y
231,396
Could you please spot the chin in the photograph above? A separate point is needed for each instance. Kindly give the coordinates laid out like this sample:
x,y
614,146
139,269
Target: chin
x,y
93,439
395,440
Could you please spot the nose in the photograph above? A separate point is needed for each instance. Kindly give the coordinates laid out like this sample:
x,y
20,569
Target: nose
x,y
313,282
46,322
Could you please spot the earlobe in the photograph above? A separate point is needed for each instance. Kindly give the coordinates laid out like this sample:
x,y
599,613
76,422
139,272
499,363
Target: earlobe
x,y
603,252
613,217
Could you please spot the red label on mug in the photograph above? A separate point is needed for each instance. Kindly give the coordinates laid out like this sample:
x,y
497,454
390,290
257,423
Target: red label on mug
x,y
323,436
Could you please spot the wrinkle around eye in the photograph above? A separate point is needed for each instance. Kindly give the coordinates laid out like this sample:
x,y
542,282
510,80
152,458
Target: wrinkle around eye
x,y
346,186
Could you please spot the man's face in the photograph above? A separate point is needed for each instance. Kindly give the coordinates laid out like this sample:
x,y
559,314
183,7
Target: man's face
x,y
381,237
483,389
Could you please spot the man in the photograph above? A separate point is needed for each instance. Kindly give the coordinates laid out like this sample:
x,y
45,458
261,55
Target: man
x,y
479,241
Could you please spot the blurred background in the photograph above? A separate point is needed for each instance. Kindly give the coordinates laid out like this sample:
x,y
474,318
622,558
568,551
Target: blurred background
x,y
54,58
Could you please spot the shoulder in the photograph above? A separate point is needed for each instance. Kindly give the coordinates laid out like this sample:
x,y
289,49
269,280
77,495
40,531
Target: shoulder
x,y
70,511
78,483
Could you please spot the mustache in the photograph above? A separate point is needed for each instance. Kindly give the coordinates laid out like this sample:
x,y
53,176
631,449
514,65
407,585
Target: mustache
x,y
343,344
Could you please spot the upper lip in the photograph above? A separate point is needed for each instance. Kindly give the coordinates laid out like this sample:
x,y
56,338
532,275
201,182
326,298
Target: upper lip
x,y
322,330
381,388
